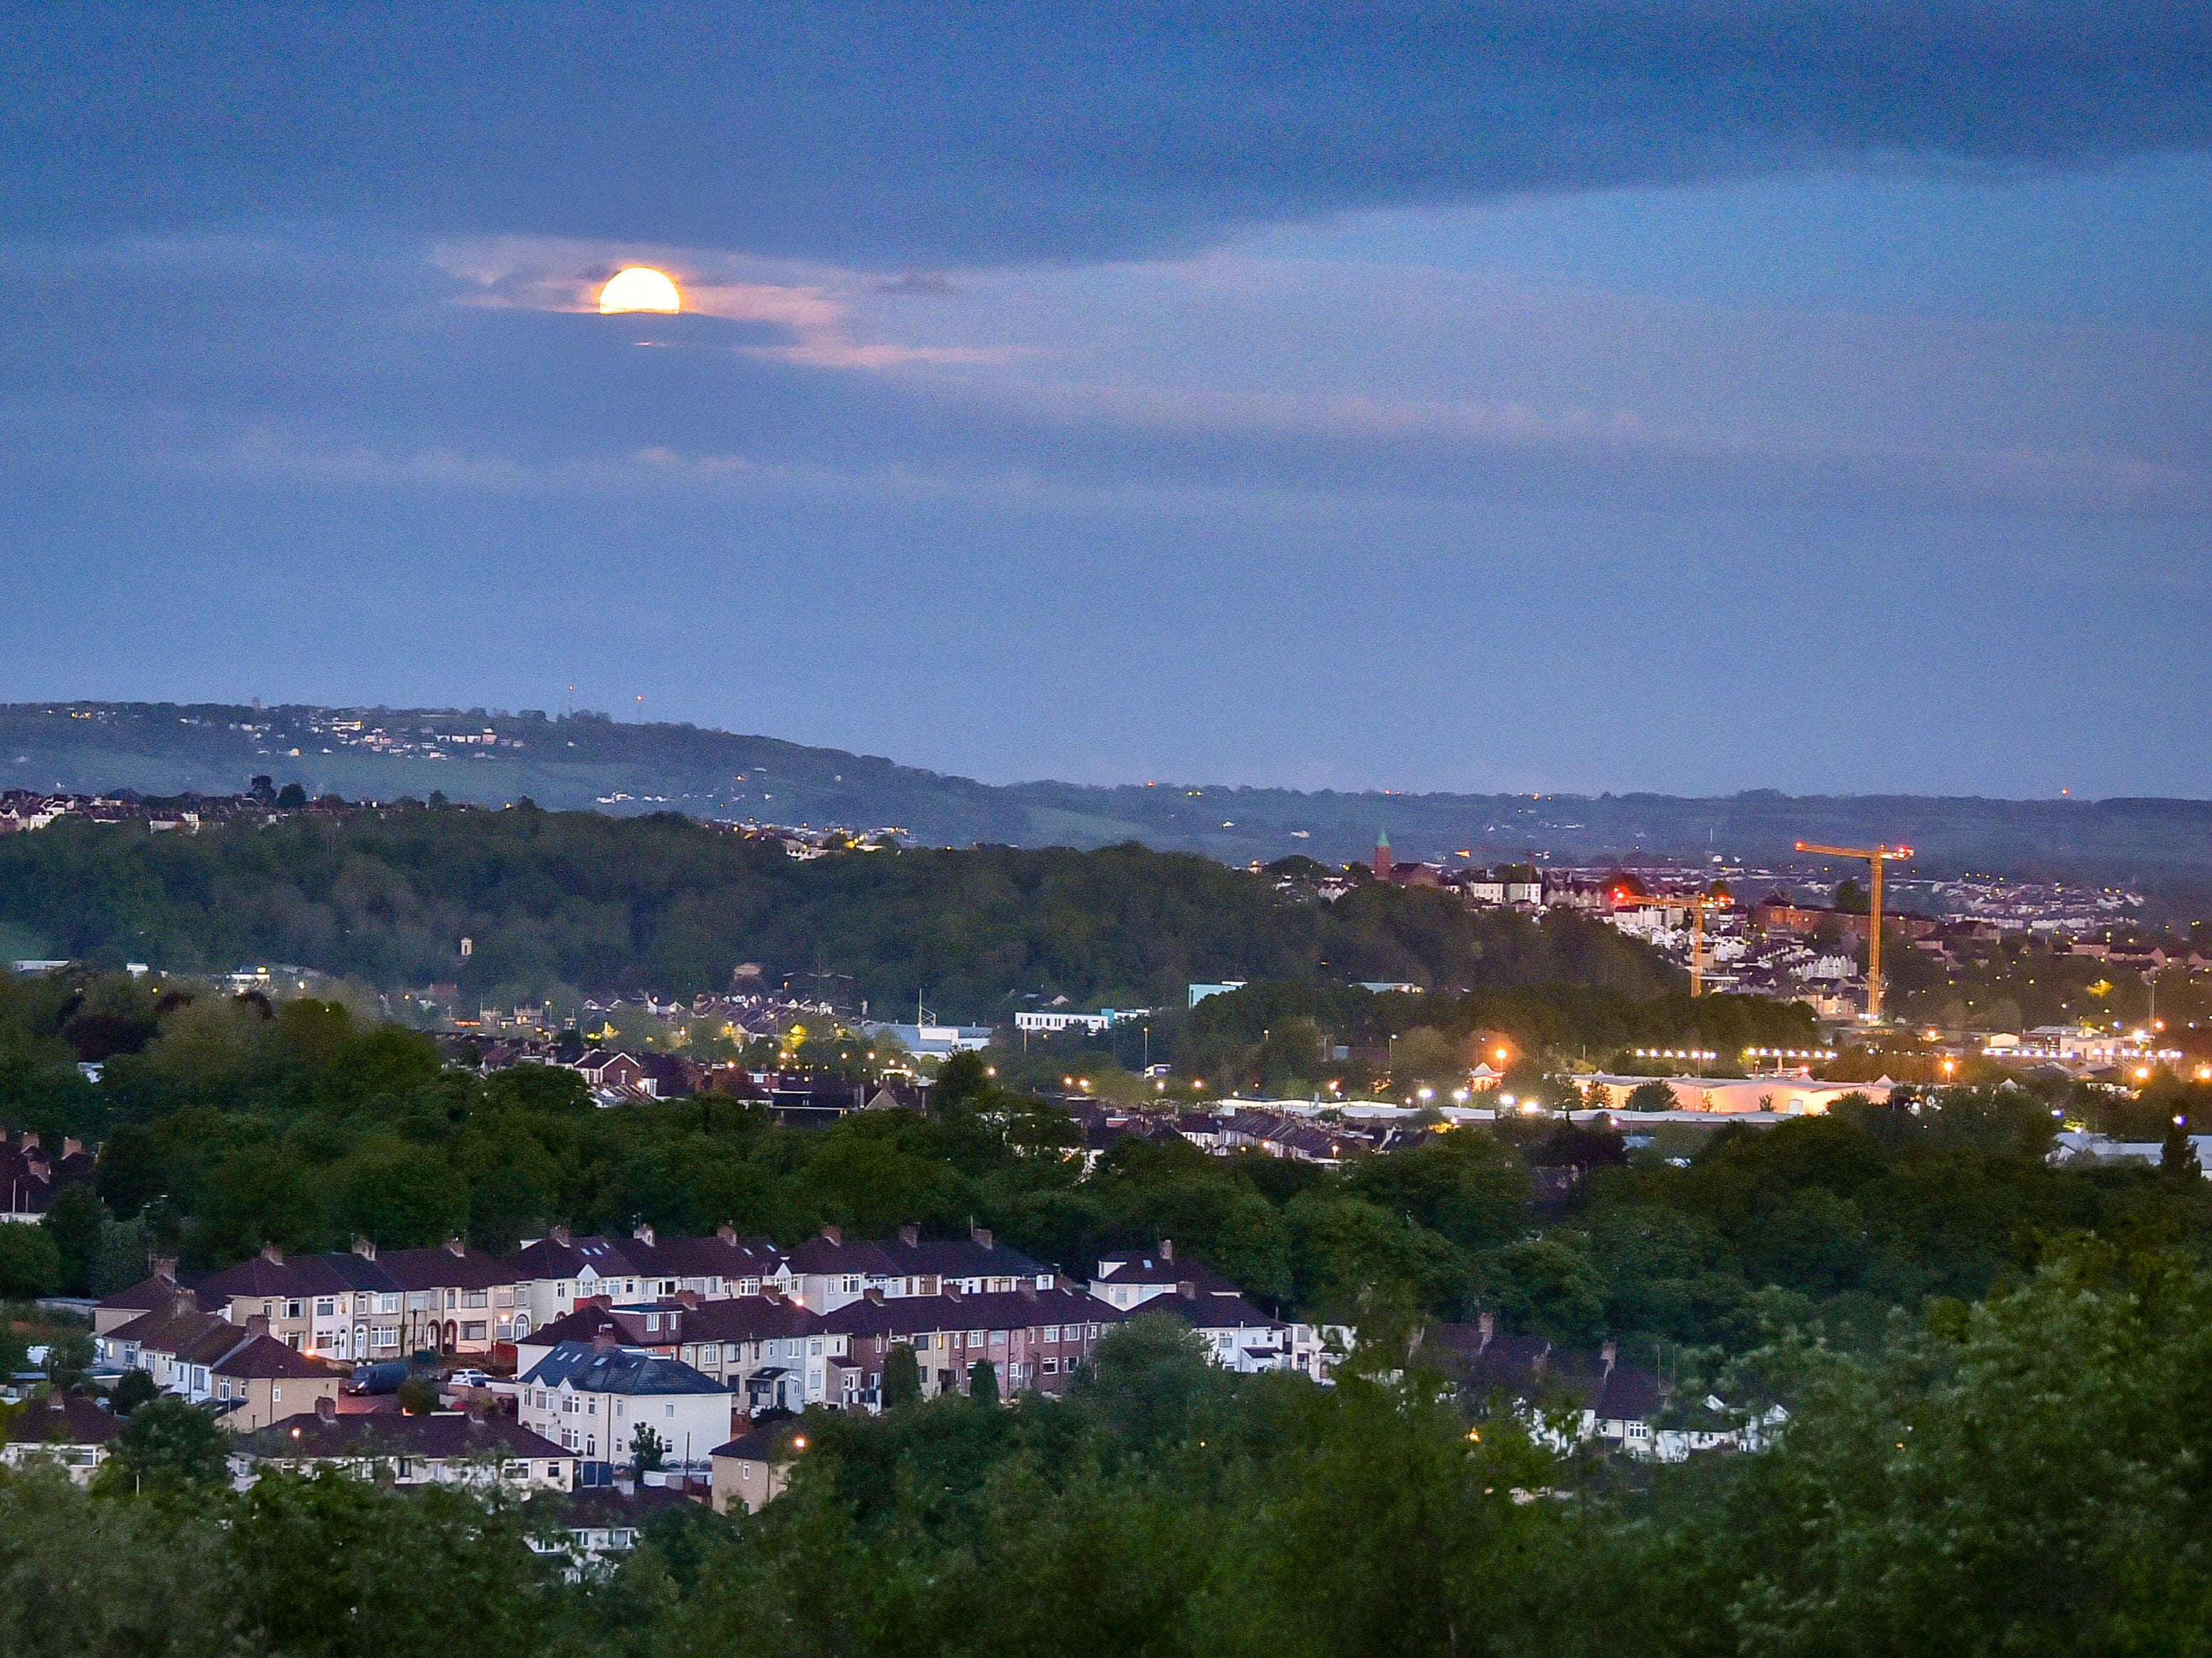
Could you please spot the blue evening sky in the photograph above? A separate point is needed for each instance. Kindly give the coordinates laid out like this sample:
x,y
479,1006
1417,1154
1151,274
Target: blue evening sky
x,y
1690,397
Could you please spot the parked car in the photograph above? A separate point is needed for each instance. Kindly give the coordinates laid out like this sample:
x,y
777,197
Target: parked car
x,y
378,1378
468,1379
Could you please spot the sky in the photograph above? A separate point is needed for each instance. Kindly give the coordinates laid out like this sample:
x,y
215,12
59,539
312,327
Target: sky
x,y
1690,398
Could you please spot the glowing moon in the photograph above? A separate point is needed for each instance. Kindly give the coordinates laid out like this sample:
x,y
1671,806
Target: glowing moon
x,y
641,287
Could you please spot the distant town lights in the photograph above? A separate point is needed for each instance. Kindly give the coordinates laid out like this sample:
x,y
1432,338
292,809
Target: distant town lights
x,y
1675,1053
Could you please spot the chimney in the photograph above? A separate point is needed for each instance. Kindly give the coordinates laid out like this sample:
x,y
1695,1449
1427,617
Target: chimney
x,y
364,1249
1167,1249
643,1233
771,1294
873,1296
604,1341
726,1233
1487,1327
981,1235
1606,1354
1186,1290
688,1299
560,1237
71,1148
165,1266
909,1236
256,1324
56,1399
836,1235
184,1302
327,1409
455,1248
272,1254
29,1142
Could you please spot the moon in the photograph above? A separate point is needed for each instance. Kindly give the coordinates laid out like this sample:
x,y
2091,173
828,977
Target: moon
x,y
641,287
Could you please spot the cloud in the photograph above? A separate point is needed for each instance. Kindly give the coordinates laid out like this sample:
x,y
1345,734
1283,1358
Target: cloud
x,y
810,308
960,135
931,283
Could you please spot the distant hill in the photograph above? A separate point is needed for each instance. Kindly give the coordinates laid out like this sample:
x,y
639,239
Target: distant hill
x,y
579,901
591,761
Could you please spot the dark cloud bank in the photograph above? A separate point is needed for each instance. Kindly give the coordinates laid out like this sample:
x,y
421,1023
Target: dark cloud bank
x,y
1048,131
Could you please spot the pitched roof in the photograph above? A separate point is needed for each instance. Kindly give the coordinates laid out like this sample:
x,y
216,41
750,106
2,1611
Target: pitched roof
x,y
452,1435
157,1291
1149,1267
60,1419
909,1315
750,1317
617,1370
768,1443
262,1356
1210,1311
170,1330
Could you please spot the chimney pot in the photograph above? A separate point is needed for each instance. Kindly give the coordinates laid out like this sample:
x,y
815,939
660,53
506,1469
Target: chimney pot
x,y
643,1233
1167,1249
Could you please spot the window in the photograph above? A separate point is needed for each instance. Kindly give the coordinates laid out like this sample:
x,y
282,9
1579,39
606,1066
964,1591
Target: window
x,y
276,1394
291,1309
562,1290
472,1331
387,1303
998,1338
814,1347
711,1353
669,1411
1052,1366
476,1298
975,1337
621,1407
325,1308
1052,1332
417,1301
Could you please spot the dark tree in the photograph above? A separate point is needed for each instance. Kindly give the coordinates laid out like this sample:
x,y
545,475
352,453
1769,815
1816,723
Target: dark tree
x,y
135,1388
901,1376
2177,1157
983,1382
169,1446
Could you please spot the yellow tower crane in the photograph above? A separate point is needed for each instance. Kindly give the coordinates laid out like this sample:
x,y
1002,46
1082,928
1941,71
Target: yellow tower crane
x,y
1876,856
1697,904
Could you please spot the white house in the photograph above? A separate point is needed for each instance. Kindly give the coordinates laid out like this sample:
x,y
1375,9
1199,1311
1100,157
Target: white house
x,y
593,1398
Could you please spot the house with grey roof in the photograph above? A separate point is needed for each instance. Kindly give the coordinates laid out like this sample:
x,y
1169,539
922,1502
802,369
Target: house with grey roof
x,y
595,1398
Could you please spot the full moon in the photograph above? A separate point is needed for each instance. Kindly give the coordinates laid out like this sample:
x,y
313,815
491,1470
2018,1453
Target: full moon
x,y
641,287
